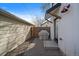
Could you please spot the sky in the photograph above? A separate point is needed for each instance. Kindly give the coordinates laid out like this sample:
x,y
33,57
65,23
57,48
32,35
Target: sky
x,y
26,11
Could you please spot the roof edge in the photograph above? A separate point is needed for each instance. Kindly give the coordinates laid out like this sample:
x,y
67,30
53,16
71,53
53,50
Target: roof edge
x,y
9,15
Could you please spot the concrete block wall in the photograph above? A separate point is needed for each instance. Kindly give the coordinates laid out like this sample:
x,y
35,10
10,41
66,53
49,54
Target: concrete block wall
x,y
12,34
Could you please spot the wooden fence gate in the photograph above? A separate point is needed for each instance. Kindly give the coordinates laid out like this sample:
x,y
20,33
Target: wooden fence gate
x,y
35,31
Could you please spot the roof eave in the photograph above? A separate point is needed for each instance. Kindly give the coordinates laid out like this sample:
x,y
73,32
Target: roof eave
x,y
9,15
52,10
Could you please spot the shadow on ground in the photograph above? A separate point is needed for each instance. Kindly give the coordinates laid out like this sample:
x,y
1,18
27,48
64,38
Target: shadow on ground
x,y
36,48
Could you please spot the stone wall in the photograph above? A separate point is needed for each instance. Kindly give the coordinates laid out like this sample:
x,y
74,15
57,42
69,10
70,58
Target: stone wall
x,y
12,34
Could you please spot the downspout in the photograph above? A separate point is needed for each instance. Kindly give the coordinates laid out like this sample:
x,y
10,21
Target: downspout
x,y
56,17
55,38
55,29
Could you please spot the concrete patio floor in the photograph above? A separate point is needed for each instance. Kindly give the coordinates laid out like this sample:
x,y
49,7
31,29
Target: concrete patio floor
x,y
36,48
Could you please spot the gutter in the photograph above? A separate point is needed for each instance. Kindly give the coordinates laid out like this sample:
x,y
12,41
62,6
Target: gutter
x,y
52,11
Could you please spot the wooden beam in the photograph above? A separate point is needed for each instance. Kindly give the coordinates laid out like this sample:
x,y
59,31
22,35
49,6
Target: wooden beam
x,y
55,15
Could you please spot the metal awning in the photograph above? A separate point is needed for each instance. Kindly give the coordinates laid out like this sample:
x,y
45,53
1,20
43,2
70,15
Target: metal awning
x,y
52,11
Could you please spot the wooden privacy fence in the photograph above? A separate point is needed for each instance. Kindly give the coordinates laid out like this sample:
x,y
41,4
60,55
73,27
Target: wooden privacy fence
x,y
35,31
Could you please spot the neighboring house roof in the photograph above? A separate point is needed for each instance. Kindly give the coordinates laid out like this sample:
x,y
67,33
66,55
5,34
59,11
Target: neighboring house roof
x,y
9,15
46,21
52,9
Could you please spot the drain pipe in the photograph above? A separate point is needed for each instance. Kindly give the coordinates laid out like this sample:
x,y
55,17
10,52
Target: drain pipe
x,y
55,38
55,29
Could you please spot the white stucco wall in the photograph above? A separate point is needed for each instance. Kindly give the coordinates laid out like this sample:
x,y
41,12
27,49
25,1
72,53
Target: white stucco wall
x,y
68,30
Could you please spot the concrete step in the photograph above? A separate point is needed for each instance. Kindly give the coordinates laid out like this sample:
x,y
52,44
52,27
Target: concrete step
x,y
50,44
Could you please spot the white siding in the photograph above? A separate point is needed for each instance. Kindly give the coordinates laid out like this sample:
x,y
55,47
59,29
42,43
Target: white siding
x,y
52,31
12,34
68,31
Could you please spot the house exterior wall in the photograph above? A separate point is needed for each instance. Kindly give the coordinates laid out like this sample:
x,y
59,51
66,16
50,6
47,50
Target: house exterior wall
x,y
52,31
51,25
52,28
12,34
68,30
